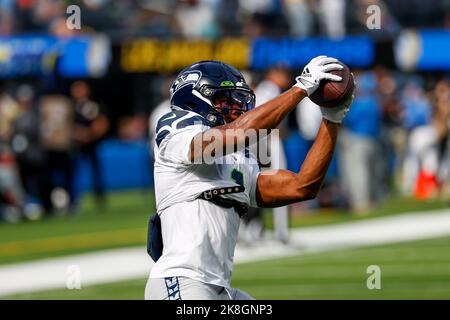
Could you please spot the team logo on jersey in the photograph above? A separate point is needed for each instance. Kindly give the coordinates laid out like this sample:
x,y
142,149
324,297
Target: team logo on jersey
x,y
188,78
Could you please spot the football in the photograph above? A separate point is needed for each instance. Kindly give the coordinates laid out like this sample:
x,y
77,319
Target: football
x,y
331,93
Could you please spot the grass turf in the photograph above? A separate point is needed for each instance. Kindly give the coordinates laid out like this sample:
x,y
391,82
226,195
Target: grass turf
x,y
123,219
411,270
121,222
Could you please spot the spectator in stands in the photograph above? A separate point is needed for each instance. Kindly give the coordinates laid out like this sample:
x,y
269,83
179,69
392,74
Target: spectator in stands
x,y
332,17
57,123
90,127
6,17
9,111
26,143
359,149
44,12
392,137
155,18
196,19
428,157
300,17
11,191
417,108
262,18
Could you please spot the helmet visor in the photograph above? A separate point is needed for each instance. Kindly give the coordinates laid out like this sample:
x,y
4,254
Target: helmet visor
x,y
234,99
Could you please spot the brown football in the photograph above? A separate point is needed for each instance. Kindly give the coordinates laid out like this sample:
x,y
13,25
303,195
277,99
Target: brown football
x,y
331,93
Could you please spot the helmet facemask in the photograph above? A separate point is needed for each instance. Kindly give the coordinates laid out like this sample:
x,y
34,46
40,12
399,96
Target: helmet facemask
x,y
229,103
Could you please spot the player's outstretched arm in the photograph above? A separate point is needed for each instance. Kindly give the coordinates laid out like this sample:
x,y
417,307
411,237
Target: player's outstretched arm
x,y
277,188
267,116
237,133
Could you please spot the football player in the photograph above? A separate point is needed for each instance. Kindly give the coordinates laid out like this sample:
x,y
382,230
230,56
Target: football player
x,y
199,202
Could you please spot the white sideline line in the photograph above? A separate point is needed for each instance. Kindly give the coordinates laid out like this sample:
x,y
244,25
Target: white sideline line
x,y
132,263
404,227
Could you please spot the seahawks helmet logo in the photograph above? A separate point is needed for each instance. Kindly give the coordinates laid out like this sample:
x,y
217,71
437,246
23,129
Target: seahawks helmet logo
x,y
185,79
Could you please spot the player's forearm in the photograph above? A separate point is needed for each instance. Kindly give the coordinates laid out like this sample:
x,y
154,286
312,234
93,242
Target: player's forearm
x,y
277,188
250,125
314,168
270,114
238,132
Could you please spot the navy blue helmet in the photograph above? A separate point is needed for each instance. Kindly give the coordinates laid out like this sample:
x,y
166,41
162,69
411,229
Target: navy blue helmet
x,y
199,85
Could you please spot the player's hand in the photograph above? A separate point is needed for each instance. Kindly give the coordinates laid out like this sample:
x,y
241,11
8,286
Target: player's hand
x,y
338,113
315,71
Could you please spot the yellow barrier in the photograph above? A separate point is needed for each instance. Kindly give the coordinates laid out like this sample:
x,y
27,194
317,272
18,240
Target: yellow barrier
x,y
150,55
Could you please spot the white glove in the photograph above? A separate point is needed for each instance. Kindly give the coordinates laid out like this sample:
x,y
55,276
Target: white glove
x,y
315,71
337,114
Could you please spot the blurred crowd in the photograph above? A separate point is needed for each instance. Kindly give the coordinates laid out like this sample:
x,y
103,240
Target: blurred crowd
x,y
210,19
394,140
42,137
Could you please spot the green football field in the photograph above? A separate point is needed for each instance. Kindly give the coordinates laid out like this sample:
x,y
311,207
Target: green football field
x,y
416,270
122,222
413,270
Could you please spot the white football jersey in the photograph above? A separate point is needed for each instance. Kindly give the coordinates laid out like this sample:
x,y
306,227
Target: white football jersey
x,y
199,237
